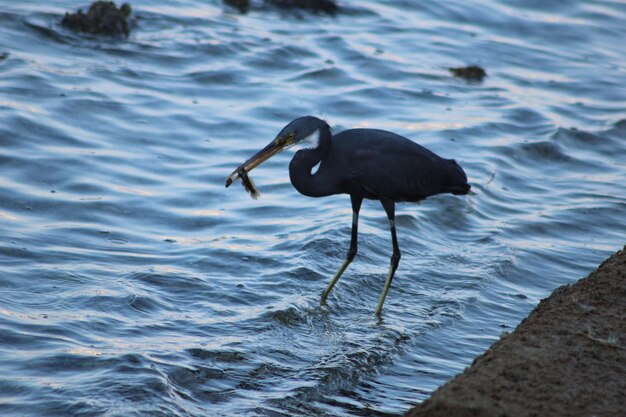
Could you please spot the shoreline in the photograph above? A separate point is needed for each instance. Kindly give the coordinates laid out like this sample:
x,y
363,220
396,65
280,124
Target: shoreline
x,y
567,358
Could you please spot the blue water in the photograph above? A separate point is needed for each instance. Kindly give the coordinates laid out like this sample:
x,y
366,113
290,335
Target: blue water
x,y
133,283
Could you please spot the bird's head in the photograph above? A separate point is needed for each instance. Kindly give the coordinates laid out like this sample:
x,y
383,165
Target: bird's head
x,y
303,130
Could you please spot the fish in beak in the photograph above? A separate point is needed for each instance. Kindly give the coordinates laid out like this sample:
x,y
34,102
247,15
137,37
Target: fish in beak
x,y
274,147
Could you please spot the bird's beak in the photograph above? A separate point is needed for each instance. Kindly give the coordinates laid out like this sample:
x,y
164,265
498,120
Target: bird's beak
x,y
263,155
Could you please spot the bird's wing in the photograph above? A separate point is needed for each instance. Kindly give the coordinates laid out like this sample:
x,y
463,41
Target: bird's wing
x,y
399,175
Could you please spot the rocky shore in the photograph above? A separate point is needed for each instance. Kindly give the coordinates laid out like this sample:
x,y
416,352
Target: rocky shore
x,y
568,358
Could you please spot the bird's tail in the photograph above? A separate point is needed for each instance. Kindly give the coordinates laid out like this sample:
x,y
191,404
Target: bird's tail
x,y
456,180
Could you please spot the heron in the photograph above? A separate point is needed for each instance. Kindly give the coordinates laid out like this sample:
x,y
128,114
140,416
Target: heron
x,y
368,164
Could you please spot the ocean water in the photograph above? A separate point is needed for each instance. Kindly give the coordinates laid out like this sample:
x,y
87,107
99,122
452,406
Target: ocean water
x,y
132,283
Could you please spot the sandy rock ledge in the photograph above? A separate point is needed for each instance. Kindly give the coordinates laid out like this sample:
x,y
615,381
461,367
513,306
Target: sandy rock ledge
x,y
568,358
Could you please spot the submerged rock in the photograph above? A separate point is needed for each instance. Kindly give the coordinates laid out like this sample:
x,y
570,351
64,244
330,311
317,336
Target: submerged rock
x,y
325,6
241,5
471,73
316,6
103,18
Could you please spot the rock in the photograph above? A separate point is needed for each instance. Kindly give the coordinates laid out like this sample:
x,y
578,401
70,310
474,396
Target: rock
x,y
103,18
568,358
324,6
316,6
471,73
241,5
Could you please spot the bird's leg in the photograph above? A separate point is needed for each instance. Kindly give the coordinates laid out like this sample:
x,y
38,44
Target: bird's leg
x,y
356,207
390,208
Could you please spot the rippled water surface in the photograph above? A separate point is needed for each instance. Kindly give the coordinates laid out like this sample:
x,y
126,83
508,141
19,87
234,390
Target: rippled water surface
x,y
133,283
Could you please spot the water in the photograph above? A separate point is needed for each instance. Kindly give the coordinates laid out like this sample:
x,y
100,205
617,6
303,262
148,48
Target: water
x,y
134,283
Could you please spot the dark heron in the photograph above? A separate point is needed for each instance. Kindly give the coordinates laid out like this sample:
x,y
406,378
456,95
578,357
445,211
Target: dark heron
x,y
364,163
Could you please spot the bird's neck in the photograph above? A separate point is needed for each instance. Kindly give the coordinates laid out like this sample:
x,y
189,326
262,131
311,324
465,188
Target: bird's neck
x,y
312,185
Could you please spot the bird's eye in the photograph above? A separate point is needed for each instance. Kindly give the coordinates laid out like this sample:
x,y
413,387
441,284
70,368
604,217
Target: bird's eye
x,y
285,140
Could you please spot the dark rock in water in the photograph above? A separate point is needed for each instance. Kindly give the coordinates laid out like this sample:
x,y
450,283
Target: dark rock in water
x,y
103,18
316,6
241,5
324,6
471,73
